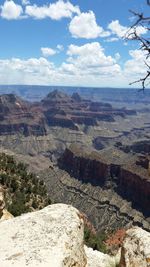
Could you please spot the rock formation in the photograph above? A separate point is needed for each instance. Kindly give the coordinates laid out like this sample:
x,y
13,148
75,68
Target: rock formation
x,y
108,170
47,238
135,251
105,208
56,109
4,214
16,116
53,237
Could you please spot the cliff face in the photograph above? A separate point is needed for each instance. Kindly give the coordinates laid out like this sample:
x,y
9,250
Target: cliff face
x,y
84,168
93,168
135,188
18,116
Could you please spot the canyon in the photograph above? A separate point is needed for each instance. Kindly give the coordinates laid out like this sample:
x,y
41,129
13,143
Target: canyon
x,y
91,154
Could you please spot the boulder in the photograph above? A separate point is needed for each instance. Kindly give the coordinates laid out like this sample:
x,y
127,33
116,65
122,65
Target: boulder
x,y
135,250
52,237
99,259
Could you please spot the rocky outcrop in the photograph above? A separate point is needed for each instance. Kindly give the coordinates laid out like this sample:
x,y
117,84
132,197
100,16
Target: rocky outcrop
x,y
4,214
52,237
135,251
47,238
99,259
2,201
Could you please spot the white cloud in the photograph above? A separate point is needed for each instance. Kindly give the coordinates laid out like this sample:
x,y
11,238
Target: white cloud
x,y
55,11
111,39
47,51
135,67
89,55
25,2
84,25
30,71
117,56
123,31
90,64
86,65
10,10
60,47
117,28
139,30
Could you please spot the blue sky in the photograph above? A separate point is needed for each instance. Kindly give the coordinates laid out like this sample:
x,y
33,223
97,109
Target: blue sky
x,y
77,43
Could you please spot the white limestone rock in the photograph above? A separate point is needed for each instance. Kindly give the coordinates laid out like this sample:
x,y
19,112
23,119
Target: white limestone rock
x,y
52,237
99,259
6,215
135,250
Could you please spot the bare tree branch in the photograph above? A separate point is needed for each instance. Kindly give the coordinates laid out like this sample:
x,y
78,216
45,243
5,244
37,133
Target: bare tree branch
x,y
141,20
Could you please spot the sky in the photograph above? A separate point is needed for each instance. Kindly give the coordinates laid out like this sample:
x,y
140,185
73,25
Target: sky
x,y
70,43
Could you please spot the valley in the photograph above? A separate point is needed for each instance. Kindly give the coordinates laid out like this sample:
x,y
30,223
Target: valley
x,y
90,153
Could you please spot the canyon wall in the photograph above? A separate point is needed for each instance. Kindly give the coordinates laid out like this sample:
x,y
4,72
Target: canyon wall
x,y
135,188
83,167
130,182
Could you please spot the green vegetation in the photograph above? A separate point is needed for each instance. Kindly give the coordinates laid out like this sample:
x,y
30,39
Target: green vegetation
x,y
95,241
24,192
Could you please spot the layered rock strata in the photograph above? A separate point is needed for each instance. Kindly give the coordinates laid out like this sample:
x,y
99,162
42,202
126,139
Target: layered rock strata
x,y
104,207
132,182
56,109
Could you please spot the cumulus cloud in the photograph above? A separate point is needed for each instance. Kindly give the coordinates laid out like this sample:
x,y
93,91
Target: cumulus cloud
x,y
47,51
55,11
121,31
10,10
117,29
135,67
89,55
90,62
84,25
85,65
30,71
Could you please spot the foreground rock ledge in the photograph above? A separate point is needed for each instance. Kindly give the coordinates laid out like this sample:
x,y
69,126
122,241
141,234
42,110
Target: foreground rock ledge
x,y
135,251
52,237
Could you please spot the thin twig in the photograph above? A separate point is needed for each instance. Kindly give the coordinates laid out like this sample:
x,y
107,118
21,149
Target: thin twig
x,y
143,21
